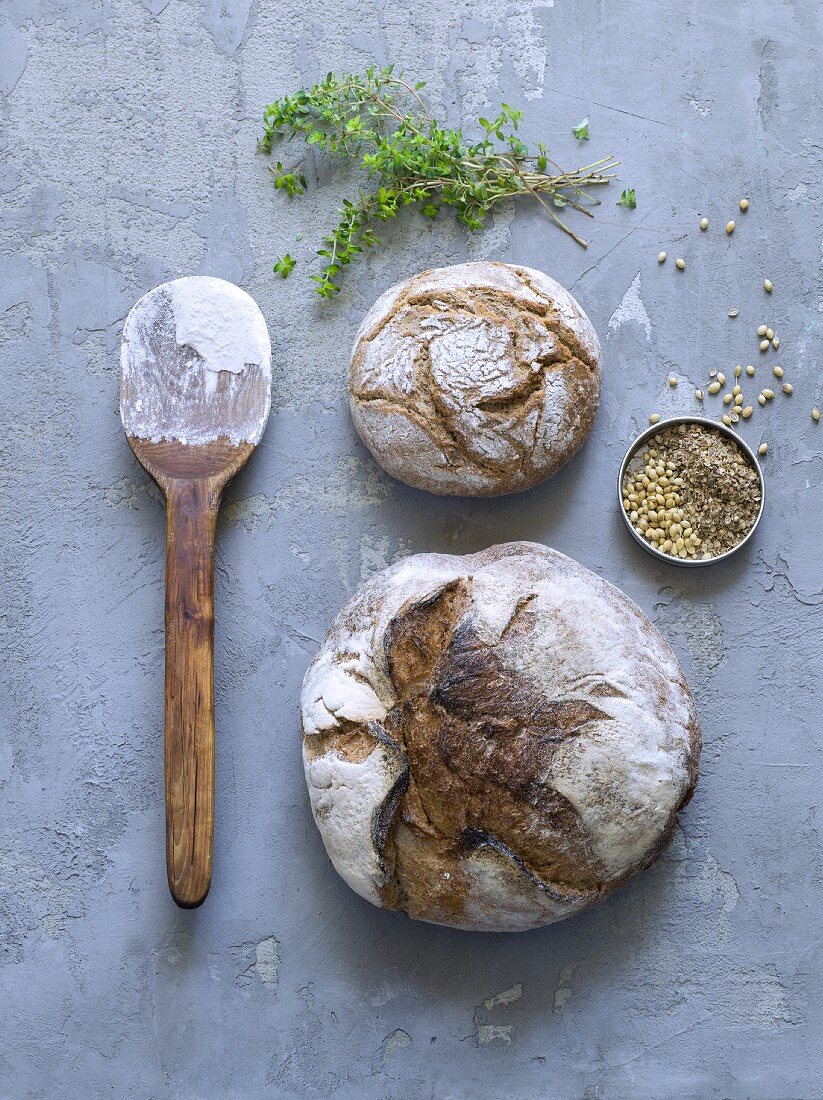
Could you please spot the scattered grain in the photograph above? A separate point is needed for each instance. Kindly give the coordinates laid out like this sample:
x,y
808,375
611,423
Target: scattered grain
x,y
734,312
762,330
730,227
654,417
764,345
747,412
661,257
714,387
788,387
672,381
704,224
744,205
750,371
777,371
680,264
761,450
767,286
816,415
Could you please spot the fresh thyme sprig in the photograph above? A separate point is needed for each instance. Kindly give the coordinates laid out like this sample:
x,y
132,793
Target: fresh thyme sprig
x,y
380,120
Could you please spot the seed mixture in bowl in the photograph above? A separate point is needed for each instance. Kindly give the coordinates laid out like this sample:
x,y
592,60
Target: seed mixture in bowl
x,y
691,491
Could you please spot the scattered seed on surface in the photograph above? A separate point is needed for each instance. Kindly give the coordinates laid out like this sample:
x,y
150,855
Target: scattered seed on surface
x,y
704,224
714,387
738,401
761,400
769,333
736,391
816,414
721,378
713,372
764,345
761,450
762,330
767,286
727,399
788,387
747,412
734,312
680,264
727,420
744,205
698,394
738,370
768,394
654,417
777,371
750,371
672,381
776,342
661,257
730,227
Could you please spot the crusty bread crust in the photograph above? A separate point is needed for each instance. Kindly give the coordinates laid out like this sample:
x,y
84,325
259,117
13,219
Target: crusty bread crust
x,y
495,741
475,380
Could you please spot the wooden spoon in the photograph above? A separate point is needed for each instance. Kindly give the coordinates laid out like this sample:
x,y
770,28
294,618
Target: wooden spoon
x,y
195,391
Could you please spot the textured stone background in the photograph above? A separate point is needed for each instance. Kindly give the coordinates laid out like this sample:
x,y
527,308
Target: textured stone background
x,y
128,129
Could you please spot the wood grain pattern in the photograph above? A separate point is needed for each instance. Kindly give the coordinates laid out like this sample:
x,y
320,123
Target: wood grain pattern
x,y
192,479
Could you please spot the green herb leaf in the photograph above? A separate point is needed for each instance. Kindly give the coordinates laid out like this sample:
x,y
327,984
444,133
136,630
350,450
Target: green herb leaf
x,y
285,265
581,130
559,201
628,198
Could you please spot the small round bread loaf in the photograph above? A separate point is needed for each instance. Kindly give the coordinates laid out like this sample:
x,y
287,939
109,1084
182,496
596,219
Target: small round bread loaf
x,y
495,741
475,380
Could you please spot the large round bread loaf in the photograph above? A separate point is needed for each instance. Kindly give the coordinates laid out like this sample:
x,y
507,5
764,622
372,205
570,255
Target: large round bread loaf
x,y
475,380
495,741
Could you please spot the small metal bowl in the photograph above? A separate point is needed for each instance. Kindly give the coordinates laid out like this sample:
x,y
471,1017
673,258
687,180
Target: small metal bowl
x,y
641,441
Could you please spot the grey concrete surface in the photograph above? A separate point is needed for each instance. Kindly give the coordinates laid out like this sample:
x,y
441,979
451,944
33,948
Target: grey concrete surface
x,y
128,136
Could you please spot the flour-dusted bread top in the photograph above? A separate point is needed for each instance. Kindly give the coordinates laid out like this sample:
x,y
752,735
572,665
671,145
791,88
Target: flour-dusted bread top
x,y
475,380
495,741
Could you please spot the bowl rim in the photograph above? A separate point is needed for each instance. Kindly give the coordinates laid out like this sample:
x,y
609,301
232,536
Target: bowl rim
x,y
635,446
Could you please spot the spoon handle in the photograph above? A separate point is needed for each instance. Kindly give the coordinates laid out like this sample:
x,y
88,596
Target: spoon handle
x,y
191,519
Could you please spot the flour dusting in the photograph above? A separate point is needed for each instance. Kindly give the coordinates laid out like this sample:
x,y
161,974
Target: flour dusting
x,y
631,308
220,322
195,364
